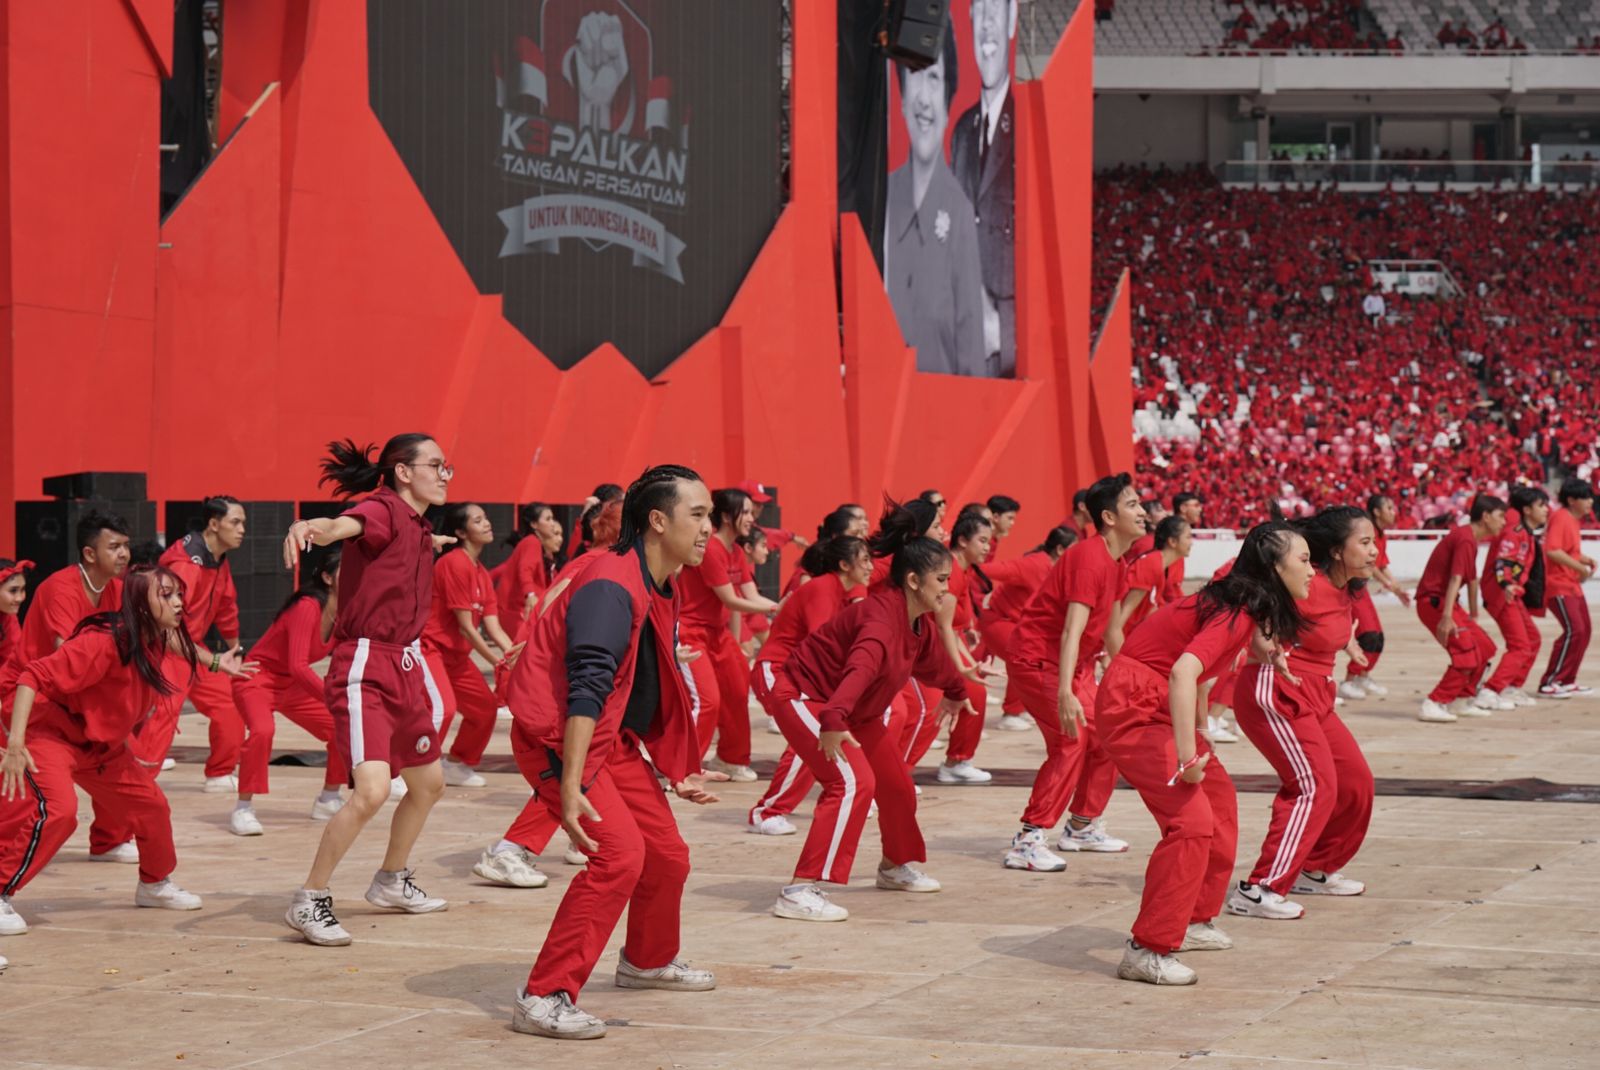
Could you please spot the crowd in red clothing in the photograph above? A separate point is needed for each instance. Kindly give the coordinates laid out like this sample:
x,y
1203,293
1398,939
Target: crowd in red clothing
x,y
1248,304
1310,25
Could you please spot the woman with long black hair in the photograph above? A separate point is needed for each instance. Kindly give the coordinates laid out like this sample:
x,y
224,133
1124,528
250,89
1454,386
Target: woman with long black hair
x,y
1358,682
1324,802
1146,710
523,577
73,712
831,697
386,706
298,637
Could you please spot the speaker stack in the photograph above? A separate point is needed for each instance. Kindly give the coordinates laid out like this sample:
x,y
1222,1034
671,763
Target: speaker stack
x,y
914,31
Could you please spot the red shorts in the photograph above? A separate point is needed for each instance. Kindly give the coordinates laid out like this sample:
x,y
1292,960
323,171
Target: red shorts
x,y
385,704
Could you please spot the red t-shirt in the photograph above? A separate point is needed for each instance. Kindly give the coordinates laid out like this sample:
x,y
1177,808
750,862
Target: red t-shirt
x,y
524,573
59,603
1015,581
1141,546
702,611
386,573
459,582
1149,575
1382,542
1328,614
291,645
1454,555
1174,630
1086,574
1561,534
86,694
961,591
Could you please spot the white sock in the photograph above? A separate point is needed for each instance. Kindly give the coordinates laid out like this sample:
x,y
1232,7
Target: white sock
x,y
244,804
328,795
505,847
793,889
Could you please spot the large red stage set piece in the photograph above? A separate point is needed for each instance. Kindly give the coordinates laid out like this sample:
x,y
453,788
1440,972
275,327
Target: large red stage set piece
x,y
320,280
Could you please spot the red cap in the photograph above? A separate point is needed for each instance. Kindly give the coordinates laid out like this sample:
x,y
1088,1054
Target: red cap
x,y
757,491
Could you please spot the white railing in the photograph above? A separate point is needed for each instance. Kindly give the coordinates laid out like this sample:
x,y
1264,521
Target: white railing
x,y
1361,173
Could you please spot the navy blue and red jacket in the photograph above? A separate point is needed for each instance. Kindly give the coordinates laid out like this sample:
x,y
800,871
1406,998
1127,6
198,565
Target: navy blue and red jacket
x,y
580,661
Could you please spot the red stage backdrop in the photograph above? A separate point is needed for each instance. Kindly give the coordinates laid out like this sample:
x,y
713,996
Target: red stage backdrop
x,y
305,288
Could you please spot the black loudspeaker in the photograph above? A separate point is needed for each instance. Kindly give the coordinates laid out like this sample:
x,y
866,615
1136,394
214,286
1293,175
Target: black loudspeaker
x,y
115,486
47,531
915,33
769,578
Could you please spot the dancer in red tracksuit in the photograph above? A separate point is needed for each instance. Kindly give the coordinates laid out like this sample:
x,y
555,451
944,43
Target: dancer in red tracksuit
x,y
1147,709
1320,814
831,698
298,637
1507,570
595,684
386,706
720,673
1053,651
463,603
1568,568
1358,682
1145,586
72,712
844,569
1452,565
1014,582
970,540
13,592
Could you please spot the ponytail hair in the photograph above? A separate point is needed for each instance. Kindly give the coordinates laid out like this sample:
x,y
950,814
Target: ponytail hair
x,y
138,637
1169,530
726,505
315,586
1057,541
917,556
352,470
1327,529
527,517
451,522
834,524
827,558
900,523
1253,586
655,489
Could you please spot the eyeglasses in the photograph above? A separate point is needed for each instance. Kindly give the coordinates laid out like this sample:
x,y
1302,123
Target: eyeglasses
x,y
442,469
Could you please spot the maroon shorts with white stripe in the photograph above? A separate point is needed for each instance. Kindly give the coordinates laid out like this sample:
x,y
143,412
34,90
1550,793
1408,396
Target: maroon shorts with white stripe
x,y
1321,812
385,704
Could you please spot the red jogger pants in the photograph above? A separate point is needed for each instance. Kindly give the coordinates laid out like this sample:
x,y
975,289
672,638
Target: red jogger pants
x,y
1522,643
1077,774
1324,804
462,689
1470,649
641,864
1189,871
720,681
1566,653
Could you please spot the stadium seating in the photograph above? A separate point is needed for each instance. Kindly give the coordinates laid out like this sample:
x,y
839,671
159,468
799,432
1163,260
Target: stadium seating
x,y
1258,378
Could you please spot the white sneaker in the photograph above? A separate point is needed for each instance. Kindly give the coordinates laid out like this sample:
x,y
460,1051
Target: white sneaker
x,y
11,923
3,963
1092,837
1316,882
963,773
457,775
311,915
776,825
1579,690
1435,712
1519,696
503,713
245,823
1029,852
512,869
574,857
1014,722
1255,901
127,853
221,785
164,895
1468,707
906,878
401,892
739,774
168,763
1217,731
1142,964
1492,700
807,902
1205,936
1373,688
675,976
397,789
937,744
554,1016
324,809
1352,689
772,726
1553,691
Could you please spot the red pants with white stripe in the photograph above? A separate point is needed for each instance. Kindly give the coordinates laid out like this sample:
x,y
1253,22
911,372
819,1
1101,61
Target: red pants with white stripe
x,y
640,864
791,780
1077,774
257,697
34,826
1365,612
463,690
1190,869
721,682
1522,642
1470,649
1566,653
872,770
1321,812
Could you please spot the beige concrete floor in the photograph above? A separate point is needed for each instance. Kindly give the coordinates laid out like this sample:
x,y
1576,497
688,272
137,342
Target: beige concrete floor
x,y
1476,946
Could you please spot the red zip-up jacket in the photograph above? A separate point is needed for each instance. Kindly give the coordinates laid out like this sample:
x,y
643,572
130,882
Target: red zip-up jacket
x,y
86,695
804,612
209,595
859,660
290,646
580,660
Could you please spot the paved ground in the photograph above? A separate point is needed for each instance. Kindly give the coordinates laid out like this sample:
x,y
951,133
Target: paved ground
x,y
1477,944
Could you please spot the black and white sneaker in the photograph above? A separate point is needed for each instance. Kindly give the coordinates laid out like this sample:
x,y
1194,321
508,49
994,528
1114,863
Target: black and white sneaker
x,y
1258,901
311,914
1317,882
